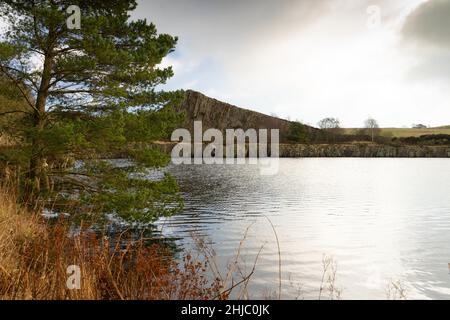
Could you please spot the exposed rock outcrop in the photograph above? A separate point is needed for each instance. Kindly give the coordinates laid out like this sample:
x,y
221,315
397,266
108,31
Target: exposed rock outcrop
x,y
362,150
219,115
222,116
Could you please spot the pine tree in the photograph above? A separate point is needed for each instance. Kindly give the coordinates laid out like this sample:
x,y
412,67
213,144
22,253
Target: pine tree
x,y
88,92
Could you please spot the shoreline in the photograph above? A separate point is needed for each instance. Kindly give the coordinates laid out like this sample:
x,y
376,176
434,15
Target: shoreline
x,y
355,150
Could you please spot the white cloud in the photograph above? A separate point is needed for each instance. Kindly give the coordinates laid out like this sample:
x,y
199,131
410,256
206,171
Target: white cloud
x,y
426,40
302,59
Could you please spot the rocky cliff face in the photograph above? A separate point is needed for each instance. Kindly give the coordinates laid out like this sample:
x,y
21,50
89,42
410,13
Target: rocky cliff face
x,y
221,116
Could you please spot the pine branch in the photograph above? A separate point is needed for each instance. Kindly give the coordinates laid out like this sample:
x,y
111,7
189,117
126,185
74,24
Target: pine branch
x,y
11,112
18,86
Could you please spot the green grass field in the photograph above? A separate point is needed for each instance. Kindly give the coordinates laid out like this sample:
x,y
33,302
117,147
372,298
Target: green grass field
x,y
406,132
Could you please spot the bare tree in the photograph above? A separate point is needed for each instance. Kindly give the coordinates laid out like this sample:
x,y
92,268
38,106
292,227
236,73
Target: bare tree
x,y
372,126
331,126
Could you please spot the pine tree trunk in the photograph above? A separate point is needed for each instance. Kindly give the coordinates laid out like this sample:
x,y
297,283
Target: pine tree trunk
x,y
37,174
35,171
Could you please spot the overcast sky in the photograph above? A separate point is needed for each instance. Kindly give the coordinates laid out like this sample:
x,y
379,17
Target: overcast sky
x,y
307,59
310,59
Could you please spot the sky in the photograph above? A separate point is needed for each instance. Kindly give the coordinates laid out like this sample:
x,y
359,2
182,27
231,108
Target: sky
x,y
310,59
306,60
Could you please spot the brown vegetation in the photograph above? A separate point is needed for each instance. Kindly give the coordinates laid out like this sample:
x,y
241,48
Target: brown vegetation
x,y
35,256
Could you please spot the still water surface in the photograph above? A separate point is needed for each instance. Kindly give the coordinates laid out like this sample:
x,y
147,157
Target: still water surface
x,y
381,220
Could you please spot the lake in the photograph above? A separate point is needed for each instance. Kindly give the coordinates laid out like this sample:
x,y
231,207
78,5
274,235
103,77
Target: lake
x,y
382,221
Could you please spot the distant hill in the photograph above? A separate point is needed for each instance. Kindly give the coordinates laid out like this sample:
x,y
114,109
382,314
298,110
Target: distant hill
x,y
220,115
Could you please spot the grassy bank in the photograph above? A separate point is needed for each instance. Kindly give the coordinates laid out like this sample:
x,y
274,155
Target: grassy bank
x,y
37,261
405,132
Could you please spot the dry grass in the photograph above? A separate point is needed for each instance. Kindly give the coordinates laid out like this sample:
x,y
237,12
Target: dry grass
x,y
6,141
396,290
3,141
34,261
233,278
328,279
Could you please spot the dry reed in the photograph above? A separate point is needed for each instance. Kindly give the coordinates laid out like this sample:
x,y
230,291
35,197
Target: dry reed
x,y
35,257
